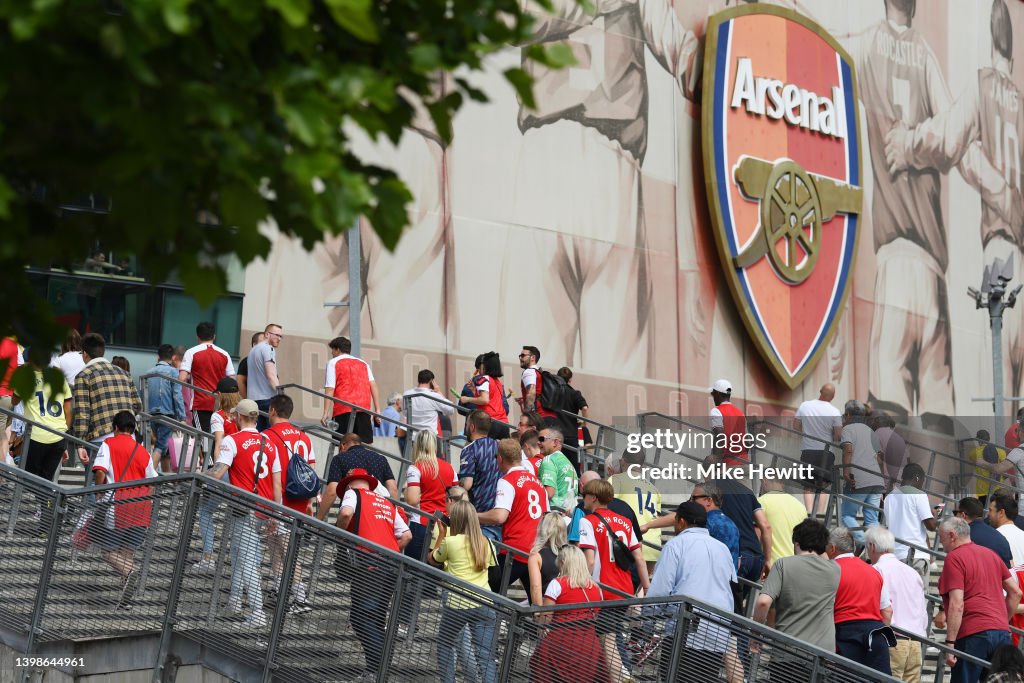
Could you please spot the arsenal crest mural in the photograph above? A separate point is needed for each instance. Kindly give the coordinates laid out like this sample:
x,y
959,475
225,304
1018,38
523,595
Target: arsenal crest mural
x,y
782,167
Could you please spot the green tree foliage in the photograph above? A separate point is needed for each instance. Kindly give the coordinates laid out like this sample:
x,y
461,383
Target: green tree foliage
x,y
169,111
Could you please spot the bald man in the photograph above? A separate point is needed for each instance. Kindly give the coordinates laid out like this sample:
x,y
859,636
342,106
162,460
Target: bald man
x,y
821,424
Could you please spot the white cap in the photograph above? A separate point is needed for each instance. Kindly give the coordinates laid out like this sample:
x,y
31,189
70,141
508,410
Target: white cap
x,y
722,386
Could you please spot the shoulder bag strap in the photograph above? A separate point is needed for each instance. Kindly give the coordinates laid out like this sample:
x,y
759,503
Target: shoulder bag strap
x,y
259,465
129,463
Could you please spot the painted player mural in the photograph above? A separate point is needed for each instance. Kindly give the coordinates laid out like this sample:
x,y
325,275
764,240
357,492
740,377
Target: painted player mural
x,y
584,226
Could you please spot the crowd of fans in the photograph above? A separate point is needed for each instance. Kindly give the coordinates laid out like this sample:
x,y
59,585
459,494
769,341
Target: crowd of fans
x,y
520,503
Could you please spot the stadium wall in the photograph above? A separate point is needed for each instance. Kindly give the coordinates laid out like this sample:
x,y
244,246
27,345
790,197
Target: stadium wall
x,y
582,228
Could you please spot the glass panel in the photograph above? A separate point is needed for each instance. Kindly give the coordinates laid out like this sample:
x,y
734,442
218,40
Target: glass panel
x,y
181,314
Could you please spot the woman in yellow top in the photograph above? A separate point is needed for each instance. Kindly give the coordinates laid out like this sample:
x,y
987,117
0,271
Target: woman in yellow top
x,y
466,554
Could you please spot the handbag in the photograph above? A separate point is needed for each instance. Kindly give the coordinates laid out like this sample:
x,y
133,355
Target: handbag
x,y
493,570
623,558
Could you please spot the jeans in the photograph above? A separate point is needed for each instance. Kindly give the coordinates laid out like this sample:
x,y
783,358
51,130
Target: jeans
x,y
245,561
263,423
492,532
415,547
372,590
481,628
981,645
856,503
864,641
206,511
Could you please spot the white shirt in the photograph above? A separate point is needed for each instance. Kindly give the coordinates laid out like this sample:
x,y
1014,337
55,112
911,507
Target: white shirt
x,y
530,376
817,419
905,514
349,500
1016,456
70,363
525,463
1015,537
424,409
909,610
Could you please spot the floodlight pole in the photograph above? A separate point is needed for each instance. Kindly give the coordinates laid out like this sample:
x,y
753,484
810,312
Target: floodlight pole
x,y
997,301
355,288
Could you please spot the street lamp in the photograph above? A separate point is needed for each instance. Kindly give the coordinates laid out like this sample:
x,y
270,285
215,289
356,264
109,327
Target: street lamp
x,y
994,297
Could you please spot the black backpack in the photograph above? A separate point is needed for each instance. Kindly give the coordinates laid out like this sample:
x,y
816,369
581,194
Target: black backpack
x,y
554,391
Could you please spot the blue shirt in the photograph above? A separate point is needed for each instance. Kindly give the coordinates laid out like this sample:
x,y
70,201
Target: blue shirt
x,y
695,564
987,537
387,428
163,397
480,461
721,528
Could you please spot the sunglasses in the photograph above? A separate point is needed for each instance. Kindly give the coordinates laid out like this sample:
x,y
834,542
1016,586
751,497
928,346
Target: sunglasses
x,y
696,498
542,439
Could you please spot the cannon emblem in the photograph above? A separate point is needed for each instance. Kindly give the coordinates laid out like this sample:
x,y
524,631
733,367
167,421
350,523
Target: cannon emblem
x,y
795,206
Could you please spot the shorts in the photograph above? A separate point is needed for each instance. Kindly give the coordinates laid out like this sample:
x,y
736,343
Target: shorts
x,y
363,425
5,403
123,539
161,433
823,462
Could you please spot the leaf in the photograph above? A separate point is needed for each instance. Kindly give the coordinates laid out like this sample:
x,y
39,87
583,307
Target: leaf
x,y
295,12
390,216
241,206
355,17
425,57
176,16
6,195
523,83
23,382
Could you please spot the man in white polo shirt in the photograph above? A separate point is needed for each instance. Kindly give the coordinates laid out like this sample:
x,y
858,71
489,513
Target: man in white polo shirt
x,y
1002,510
909,609
909,516
821,424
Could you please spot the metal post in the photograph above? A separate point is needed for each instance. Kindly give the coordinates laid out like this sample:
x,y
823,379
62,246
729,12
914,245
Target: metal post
x,y
283,593
678,640
174,590
44,580
355,287
505,674
995,316
392,630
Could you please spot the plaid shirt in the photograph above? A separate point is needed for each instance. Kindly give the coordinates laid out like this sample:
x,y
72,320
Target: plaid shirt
x,y
101,391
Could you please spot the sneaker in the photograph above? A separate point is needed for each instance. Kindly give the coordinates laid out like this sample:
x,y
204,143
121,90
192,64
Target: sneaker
x,y
204,565
299,592
131,583
299,607
641,648
256,620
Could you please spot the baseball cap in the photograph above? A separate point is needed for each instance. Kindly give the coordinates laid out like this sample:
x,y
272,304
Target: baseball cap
x,y
722,386
227,385
247,406
693,512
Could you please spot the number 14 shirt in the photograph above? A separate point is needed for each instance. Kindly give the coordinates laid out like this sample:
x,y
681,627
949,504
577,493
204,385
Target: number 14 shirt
x,y
522,494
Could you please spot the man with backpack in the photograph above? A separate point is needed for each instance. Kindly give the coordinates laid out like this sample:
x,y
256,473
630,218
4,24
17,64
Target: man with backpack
x,y
542,391
300,485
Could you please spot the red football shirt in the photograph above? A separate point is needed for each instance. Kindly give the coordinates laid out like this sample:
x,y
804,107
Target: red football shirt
x,y
433,487
291,440
521,493
241,453
594,536
208,364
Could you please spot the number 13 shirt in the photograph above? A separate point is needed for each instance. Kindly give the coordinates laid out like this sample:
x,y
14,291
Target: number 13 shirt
x,y
594,536
522,494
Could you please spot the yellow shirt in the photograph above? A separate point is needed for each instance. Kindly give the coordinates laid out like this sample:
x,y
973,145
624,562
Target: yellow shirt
x,y
784,512
455,553
981,485
644,498
47,408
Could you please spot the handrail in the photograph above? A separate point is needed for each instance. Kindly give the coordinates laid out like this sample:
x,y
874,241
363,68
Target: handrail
x,y
157,375
281,389
87,445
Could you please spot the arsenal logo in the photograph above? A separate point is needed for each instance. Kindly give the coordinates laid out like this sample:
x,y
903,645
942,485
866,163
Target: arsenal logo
x,y
783,173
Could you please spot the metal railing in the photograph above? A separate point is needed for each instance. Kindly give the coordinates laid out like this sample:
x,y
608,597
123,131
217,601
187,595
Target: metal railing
x,y
58,589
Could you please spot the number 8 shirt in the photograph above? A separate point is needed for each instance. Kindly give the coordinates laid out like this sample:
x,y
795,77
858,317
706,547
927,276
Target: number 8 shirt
x,y
241,452
594,536
522,494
